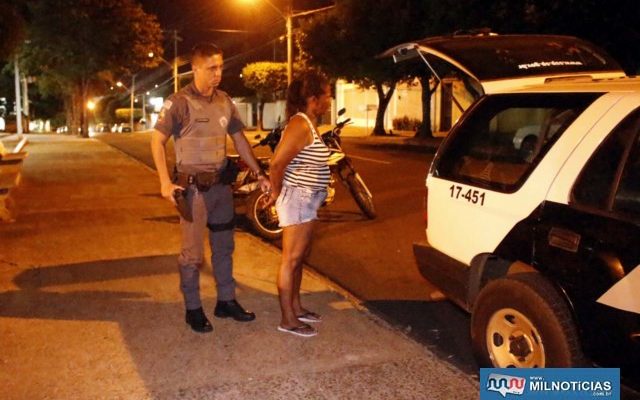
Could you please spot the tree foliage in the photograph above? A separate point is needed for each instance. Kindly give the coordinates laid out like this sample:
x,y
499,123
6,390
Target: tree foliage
x,y
74,46
345,42
12,29
268,79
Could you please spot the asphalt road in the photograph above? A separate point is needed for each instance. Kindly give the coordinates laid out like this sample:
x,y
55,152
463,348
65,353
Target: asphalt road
x,y
373,259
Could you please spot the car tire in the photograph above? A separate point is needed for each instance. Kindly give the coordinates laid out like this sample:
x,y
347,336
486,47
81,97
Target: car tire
x,y
522,321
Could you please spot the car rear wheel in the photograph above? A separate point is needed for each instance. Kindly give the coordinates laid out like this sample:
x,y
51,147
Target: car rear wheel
x,y
521,321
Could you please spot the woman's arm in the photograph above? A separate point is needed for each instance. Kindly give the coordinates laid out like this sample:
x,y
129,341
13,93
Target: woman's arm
x,y
295,137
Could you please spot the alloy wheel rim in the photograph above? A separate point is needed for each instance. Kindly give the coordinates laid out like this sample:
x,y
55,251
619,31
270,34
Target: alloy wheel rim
x,y
514,341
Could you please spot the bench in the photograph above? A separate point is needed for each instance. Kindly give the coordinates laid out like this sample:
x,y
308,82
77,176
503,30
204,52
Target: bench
x,y
10,168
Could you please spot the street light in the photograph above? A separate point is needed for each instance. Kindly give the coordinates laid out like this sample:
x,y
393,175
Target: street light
x,y
131,96
288,16
91,106
173,66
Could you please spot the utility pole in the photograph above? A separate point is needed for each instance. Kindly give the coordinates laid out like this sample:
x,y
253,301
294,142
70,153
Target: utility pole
x,y
18,99
132,96
144,109
289,20
175,60
25,97
288,16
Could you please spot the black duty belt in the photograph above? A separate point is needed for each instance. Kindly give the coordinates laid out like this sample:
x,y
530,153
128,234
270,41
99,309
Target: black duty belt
x,y
202,180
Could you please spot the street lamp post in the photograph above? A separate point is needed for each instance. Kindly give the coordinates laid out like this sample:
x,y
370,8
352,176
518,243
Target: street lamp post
x,y
144,109
289,24
91,106
173,66
288,16
175,61
132,99
131,96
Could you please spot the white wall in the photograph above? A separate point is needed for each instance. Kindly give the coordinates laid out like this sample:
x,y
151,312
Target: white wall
x,y
362,106
273,114
246,112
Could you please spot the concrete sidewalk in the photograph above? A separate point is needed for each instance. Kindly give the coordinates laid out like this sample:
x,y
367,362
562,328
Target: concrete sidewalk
x,y
90,306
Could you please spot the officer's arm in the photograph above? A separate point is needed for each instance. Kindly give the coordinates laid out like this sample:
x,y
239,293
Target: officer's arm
x,y
243,148
158,151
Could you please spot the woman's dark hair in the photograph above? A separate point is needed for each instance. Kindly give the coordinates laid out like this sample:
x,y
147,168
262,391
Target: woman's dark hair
x,y
308,84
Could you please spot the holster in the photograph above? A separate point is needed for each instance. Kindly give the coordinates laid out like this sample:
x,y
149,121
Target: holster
x,y
182,204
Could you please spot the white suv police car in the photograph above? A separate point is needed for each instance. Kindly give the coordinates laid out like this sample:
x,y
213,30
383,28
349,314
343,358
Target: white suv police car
x,y
541,245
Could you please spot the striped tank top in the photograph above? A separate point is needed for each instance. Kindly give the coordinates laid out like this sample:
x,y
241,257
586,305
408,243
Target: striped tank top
x,y
309,168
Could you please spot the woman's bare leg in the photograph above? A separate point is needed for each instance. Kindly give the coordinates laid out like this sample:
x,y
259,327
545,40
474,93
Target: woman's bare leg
x,y
295,242
297,304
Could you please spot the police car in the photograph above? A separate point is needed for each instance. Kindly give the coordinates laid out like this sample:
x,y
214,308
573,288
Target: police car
x,y
541,246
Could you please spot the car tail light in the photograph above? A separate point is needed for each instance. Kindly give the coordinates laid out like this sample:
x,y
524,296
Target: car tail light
x,y
425,212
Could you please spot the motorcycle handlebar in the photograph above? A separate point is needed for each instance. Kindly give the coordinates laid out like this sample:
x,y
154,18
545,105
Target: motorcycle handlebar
x,y
272,139
341,125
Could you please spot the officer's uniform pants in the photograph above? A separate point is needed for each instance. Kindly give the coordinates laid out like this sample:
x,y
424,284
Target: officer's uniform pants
x,y
214,207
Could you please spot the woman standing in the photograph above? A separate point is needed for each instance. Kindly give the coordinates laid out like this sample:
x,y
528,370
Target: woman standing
x,y
299,178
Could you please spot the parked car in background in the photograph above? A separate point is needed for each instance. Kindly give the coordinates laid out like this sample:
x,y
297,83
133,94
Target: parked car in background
x,y
124,127
542,244
101,127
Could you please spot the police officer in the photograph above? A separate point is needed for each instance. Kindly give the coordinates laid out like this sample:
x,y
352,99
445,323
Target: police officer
x,y
199,117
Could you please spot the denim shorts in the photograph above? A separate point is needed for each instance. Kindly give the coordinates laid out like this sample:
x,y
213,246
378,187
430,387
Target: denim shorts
x,y
296,205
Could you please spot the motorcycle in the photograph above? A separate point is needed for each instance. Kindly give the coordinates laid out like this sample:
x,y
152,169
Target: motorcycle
x,y
263,216
252,202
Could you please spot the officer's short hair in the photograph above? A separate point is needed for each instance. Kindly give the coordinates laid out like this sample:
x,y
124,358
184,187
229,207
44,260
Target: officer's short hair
x,y
204,50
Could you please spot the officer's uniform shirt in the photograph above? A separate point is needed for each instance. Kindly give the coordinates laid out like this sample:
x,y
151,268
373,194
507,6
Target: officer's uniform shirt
x,y
194,119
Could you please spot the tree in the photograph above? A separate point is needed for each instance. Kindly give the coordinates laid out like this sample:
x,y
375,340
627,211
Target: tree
x,y
75,46
267,79
12,29
345,42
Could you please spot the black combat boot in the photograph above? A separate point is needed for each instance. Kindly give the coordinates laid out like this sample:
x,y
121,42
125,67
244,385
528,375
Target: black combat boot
x,y
198,321
231,308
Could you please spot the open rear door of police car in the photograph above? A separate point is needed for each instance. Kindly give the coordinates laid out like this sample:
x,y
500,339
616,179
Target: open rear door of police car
x,y
499,63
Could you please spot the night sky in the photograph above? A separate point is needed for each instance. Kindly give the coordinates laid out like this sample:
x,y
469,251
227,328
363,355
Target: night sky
x,y
260,29
204,20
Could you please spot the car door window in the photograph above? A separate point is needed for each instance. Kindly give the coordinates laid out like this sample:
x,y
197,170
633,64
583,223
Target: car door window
x,y
603,172
506,136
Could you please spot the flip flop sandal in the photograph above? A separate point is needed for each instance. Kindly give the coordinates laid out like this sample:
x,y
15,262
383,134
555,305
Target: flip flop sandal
x,y
310,316
303,330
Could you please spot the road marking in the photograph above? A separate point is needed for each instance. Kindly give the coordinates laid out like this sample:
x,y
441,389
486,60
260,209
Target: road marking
x,y
370,159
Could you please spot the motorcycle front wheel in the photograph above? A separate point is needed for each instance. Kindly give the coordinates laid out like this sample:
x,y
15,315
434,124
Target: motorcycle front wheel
x,y
263,218
361,194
